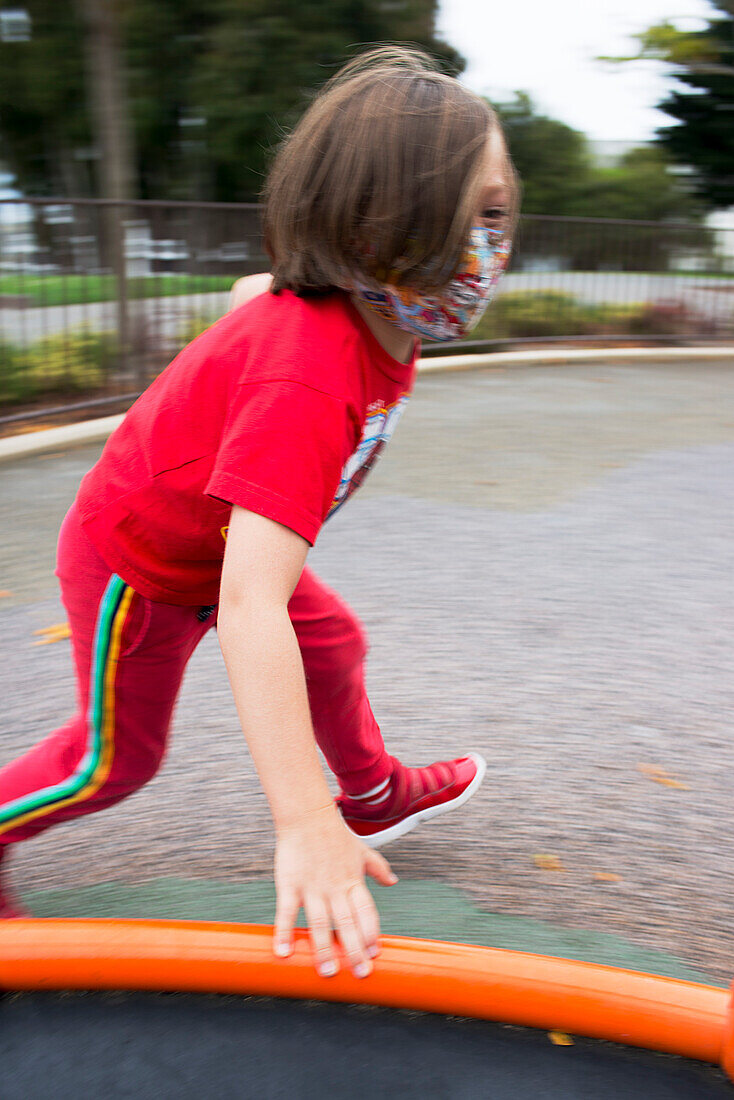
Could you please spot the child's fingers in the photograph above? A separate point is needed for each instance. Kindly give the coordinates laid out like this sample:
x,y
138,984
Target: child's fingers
x,y
366,918
286,912
350,935
322,941
381,871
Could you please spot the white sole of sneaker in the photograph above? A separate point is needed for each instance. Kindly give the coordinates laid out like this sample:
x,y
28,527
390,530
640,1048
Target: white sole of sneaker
x,y
420,818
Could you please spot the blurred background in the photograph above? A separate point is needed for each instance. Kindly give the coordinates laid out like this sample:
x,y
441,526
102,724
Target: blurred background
x,y
543,559
135,136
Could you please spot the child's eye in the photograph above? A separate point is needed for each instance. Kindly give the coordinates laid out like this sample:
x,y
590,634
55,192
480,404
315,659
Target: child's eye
x,y
494,214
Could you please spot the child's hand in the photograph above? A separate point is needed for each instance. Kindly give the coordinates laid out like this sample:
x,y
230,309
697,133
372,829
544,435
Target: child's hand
x,y
320,865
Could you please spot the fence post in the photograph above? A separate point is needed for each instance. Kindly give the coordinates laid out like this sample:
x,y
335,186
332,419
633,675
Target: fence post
x,y
116,230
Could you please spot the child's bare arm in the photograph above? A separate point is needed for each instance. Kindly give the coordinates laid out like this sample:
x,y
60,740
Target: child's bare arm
x,y
249,286
320,864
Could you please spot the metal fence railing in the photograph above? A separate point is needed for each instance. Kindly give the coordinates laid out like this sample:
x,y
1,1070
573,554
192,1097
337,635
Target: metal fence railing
x,y
97,296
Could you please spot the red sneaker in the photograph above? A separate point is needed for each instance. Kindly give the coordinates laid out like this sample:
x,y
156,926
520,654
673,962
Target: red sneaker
x,y
10,909
410,796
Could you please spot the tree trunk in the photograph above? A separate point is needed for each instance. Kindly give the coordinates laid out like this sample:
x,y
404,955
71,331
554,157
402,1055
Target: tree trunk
x,y
116,175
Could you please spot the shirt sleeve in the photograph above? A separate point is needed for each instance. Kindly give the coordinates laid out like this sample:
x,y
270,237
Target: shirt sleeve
x,y
282,453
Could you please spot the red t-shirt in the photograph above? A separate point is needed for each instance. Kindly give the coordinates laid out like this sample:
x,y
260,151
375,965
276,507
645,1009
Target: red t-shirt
x,y
281,408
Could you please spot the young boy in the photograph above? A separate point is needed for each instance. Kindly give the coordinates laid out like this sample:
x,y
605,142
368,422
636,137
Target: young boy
x,y
387,218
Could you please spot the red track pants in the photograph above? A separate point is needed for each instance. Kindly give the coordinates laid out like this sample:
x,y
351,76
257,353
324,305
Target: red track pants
x,y
130,654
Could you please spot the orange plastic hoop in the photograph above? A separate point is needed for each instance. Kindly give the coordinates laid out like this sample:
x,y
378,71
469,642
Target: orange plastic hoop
x,y
685,1018
727,1047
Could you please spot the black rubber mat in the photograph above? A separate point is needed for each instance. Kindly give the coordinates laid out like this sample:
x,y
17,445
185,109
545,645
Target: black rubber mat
x,y
177,1046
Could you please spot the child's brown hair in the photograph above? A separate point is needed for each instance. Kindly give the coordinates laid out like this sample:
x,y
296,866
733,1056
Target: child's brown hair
x,y
382,174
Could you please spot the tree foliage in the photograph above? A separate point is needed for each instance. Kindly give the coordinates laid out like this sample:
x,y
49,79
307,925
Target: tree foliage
x,y
695,51
210,86
44,123
561,176
553,160
703,62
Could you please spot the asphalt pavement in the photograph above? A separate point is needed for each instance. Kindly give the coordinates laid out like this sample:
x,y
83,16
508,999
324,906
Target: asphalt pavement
x,y
543,560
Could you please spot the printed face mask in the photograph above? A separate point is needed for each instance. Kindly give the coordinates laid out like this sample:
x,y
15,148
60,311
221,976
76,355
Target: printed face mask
x,y
456,309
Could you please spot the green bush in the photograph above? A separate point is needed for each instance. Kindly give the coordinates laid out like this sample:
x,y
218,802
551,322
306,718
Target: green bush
x,y
80,360
194,327
529,313
523,314
12,378
69,362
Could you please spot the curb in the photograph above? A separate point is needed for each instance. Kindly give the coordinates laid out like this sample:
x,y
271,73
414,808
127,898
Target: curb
x,y
570,357
50,439
93,431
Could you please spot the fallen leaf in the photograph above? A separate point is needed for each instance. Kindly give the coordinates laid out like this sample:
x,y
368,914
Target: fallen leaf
x,y
560,1039
659,775
666,781
55,633
547,862
606,876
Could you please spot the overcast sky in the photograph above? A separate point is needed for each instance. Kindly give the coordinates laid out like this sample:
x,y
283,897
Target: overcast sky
x,y
548,47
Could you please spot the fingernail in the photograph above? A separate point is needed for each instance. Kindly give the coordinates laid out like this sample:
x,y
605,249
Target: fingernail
x,y
282,950
393,879
361,970
373,951
328,970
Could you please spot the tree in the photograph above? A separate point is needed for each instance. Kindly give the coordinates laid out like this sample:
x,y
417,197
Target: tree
x,y
45,131
210,86
107,96
704,52
553,161
259,61
643,186
560,177
703,137
111,126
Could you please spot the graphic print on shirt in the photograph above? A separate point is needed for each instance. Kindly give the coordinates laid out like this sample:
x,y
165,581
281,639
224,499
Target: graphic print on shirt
x,y
378,428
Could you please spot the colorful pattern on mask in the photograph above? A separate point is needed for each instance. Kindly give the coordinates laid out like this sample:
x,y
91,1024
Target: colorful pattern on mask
x,y
453,312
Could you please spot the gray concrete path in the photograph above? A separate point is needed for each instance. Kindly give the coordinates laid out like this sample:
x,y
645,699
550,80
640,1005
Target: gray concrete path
x,y
162,318
543,560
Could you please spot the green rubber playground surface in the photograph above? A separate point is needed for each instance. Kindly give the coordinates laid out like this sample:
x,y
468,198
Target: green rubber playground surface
x,y
424,910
